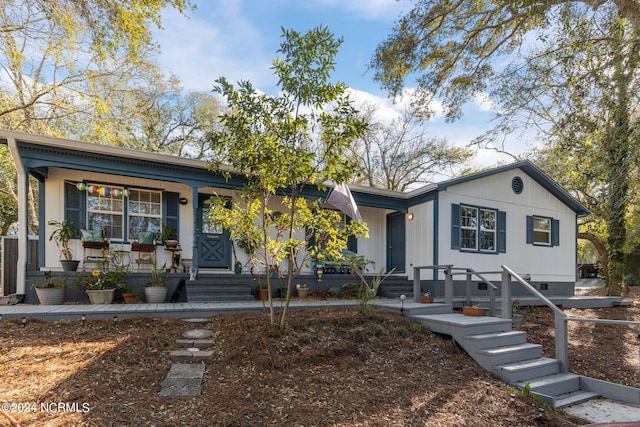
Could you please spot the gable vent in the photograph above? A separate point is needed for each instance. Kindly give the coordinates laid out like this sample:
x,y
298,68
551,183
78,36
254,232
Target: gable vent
x,y
517,185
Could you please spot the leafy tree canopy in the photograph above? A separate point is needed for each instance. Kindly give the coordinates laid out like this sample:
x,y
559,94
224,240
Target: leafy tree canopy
x,y
450,44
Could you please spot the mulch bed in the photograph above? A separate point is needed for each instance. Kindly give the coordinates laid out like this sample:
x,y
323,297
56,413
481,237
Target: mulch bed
x,y
329,367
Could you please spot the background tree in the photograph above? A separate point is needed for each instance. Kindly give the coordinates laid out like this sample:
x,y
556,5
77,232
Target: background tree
x,y
281,144
397,154
584,103
574,82
452,46
57,57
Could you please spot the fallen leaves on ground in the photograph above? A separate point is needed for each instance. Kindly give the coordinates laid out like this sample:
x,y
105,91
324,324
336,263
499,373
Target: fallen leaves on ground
x,y
330,367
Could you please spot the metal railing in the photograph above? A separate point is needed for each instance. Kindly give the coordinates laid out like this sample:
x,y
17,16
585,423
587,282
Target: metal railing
x,y
448,283
560,318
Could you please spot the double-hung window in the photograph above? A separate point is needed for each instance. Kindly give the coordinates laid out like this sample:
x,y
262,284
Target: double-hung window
x,y
478,229
543,231
145,212
105,211
121,213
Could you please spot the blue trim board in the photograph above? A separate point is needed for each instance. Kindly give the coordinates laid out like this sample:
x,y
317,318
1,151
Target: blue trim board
x,y
37,156
436,234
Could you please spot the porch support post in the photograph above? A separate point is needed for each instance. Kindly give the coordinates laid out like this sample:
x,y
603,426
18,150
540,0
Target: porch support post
x,y
23,217
195,262
416,284
448,285
505,305
468,289
562,341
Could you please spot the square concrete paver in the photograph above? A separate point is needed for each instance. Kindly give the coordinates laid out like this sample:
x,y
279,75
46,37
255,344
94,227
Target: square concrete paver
x,y
183,381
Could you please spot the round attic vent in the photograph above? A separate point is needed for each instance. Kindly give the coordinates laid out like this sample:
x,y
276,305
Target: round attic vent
x,y
517,185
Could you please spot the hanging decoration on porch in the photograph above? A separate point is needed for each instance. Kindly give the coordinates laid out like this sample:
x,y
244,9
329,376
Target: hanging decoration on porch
x,y
103,191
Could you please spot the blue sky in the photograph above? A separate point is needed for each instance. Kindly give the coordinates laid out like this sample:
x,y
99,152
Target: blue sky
x,y
238,39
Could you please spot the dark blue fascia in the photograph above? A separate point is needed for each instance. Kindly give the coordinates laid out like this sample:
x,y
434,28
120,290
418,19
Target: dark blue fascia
x,y
38,156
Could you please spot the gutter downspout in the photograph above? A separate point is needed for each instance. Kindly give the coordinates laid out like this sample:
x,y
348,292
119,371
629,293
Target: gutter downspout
x,y
23,217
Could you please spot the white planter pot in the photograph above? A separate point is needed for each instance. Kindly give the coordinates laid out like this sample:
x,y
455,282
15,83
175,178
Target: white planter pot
x,y
100,296
155,294
50,296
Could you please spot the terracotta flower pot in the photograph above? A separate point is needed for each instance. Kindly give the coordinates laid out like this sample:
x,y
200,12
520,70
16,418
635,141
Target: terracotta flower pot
x,y
426,300
473,311
130,297
303,292
263,294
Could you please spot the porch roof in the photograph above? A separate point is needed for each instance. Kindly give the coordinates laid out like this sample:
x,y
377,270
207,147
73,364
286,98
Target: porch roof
x,y
39,152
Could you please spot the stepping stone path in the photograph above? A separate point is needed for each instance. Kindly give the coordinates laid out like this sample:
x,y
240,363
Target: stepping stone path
x,y
185,379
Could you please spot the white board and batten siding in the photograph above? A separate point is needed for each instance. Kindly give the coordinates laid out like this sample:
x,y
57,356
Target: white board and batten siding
x,y
543,263
426,245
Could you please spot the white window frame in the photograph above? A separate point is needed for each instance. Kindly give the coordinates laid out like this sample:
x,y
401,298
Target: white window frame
x,y
100,202
151,209
476,229
538,232
485,229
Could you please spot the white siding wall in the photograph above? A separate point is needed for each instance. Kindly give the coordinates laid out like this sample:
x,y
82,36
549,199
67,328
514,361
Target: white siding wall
x,y
542,263
420,235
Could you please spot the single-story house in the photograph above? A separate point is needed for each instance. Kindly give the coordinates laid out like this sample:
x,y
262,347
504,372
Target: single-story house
x,y
512,215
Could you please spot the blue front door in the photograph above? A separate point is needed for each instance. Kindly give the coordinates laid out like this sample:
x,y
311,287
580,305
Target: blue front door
x,y
214,243
396,242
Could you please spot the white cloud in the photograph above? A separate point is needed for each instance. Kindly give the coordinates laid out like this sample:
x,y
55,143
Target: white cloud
x,y
210,44
483,102
369,9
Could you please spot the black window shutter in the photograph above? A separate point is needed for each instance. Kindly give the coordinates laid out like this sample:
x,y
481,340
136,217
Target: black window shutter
x,y
502,232
555,232
529,229
352,241
455,226
171,210
74,206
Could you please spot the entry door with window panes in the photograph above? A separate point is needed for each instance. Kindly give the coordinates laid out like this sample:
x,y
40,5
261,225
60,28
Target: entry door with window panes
x,y
213,240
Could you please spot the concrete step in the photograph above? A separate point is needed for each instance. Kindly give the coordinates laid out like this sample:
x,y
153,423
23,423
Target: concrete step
x,y
553,385
206,291
497,339
459,326
573,398
527,370
511,354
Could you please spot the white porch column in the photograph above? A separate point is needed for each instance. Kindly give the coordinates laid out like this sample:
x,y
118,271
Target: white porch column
x,y
23,217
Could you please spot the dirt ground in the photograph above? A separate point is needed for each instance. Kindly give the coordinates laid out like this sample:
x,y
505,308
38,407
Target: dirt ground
x,y
328,368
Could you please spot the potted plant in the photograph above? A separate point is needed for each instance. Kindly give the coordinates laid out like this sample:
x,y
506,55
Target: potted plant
x,y
155,290
52,291
169,235
130,296
98,286
426,298
262,292
473,311
303,290
62,234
